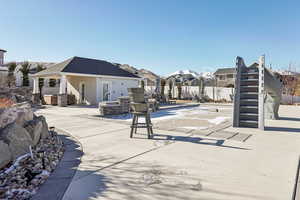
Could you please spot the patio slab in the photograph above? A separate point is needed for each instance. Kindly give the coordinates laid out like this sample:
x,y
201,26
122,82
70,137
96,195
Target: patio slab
x,y
182,165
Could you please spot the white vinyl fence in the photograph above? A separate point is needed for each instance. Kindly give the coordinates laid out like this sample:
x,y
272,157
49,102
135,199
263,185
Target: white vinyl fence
x,y
214,93
289,99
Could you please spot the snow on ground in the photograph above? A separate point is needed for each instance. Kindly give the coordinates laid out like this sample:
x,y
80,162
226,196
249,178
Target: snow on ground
x,y
218,120
187,113
194,127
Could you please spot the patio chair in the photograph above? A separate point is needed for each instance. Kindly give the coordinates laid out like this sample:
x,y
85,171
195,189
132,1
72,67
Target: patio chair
x,y
139,108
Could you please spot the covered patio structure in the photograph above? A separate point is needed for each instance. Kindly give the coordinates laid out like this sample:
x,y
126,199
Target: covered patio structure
x,y
89,81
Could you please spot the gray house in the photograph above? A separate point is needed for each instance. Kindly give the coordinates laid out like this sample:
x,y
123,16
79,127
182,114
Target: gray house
x,y
225,77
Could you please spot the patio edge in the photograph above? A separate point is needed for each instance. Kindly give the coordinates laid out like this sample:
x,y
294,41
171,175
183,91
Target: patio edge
x,y
58,182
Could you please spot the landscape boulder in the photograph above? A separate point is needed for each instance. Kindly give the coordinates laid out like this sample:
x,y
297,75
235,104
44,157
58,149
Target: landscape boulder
x,y
18,113
17,138
45,129
6,156
34,128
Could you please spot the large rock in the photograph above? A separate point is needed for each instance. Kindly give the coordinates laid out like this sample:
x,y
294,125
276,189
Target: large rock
x,y
6,156
17,138
34,128
19,113
45,129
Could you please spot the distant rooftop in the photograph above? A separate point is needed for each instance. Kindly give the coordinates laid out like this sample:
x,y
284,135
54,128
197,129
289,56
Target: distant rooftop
x,y
225,71
3,50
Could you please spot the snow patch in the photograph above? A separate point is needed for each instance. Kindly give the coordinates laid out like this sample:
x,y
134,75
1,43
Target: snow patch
x,y
194,127
217,120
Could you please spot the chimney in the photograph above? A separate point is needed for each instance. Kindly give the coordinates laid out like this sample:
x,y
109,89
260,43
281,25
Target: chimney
x,y
2,56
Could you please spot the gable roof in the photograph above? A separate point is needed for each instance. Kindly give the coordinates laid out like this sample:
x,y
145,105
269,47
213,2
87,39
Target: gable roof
x,y
88,66
225,71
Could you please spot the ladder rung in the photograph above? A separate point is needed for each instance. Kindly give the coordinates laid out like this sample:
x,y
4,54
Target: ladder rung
x,y
250,79
249,107
249,114
249,86
249,121
251,100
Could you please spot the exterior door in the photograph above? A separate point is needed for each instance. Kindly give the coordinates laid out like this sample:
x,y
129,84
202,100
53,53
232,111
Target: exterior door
x,y
106,91
82,93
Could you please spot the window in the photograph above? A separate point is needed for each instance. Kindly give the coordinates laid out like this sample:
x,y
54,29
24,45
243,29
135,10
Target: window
x,y
222,77
229,75
52,82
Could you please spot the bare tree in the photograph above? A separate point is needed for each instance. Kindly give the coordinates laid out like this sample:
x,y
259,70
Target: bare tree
x,y
39,68
11,77
25,71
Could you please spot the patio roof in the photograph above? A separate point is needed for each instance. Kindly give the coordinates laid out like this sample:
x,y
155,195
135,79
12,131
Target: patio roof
x,y
86,66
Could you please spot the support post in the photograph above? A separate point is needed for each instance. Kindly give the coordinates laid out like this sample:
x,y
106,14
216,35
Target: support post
x,y
62,99
261,93
36,91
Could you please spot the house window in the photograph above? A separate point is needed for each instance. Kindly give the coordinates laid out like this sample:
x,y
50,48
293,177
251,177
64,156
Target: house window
x,y
52,82
222,77
229,75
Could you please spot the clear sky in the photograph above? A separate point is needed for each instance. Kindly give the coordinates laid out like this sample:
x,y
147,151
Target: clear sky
x,y
160,35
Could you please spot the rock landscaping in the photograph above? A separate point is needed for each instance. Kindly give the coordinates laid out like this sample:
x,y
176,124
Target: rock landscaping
x,y
29,152
22,179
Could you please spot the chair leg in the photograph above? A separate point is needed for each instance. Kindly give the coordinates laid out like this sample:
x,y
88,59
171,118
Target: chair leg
x,y
151,126
148,126
136,123
132,126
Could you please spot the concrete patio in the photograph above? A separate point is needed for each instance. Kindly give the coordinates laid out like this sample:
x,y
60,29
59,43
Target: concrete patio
x,y
216,163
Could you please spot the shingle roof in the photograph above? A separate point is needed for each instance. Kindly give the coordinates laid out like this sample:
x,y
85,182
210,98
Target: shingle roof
x,y
225,71
87,66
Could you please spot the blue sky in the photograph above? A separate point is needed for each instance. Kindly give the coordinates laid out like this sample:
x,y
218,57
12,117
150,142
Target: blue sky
x,y
163,36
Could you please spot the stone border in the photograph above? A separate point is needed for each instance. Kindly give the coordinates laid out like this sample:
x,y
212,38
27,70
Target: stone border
x,y
58,182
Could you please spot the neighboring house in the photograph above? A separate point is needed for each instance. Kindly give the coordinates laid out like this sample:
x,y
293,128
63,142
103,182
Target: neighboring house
x,y
290,82
2,52
3,76
33,69
3,70
225,77
185,77
90,80
148,77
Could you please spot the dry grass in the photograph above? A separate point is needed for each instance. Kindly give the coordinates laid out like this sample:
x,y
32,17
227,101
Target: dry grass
x,y
5,102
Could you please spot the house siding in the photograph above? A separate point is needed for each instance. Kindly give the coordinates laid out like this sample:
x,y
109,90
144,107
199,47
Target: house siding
x,y
73,85
118,87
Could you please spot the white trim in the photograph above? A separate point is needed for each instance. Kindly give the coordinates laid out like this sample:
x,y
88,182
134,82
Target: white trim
x,y
99,76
